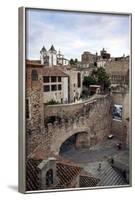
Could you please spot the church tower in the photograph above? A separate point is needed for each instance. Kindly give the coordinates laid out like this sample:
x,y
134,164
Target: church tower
x,y
43,56
52,53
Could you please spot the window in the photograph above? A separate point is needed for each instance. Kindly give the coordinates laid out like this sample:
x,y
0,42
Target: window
x,y
27,109
95,64
59,87
79,79
53,87
46,79
34,75
53,78
46,88
49,177
59,79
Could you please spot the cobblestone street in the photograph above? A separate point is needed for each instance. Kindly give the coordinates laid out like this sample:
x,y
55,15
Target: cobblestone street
x,y
90,159
97,153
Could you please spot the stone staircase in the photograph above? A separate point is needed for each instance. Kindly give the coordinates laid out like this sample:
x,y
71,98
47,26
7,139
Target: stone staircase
x,y
110,177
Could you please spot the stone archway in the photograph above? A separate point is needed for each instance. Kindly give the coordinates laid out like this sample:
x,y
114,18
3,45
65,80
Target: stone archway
x,y
78,140
82,140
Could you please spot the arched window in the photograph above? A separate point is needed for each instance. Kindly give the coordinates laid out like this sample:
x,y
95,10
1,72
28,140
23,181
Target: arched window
x,y
49,177
34,75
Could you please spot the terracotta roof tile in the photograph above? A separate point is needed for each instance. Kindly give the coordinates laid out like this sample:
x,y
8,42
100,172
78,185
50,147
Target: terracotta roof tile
x,y
88,181
53,71
33,63
32,175
66,173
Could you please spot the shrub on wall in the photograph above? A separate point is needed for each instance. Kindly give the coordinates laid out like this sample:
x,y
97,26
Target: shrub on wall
x,y
52,102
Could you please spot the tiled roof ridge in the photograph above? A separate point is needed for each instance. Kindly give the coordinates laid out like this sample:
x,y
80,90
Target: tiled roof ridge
x,y
67,173
57,72
34,63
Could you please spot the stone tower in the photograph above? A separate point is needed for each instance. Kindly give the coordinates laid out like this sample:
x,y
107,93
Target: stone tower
x,y
43,56
34,104
52,53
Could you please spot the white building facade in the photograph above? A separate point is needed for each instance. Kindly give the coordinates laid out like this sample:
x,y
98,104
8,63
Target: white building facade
x,y
55,85
52,58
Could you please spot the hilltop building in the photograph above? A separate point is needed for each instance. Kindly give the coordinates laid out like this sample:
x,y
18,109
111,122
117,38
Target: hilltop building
x,y
52,58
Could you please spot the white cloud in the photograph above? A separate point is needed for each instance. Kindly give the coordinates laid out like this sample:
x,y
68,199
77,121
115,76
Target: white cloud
x,y
73,34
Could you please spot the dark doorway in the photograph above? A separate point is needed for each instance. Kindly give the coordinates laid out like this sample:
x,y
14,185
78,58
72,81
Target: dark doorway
x,y
49,177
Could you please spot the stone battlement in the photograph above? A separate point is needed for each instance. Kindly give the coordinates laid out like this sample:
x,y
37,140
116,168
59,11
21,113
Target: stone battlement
x,y
73,110
94,120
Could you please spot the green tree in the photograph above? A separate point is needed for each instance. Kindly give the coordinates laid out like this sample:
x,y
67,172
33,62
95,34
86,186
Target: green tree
x,y
101,77
76,61
98,77
89,80
52,102
71,62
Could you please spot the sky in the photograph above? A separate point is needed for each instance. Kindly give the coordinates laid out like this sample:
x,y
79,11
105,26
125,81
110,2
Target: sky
x,y
73,33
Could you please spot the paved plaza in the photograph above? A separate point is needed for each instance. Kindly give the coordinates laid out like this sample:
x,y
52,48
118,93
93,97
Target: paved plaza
x,y
96,161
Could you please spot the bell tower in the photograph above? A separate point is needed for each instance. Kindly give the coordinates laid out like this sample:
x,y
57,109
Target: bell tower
x,y
52,56
43,55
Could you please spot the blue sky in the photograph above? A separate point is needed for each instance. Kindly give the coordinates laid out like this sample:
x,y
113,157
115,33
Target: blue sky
x,y
73,33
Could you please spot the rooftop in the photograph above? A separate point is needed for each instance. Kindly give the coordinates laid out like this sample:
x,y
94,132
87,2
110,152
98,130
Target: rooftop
x,y
33,63
52,48
43,49
53,71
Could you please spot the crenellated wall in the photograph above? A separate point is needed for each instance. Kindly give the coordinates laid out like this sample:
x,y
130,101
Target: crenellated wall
x,y
95,121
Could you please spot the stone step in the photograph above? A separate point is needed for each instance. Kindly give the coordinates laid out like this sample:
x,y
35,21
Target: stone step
x,y
109,176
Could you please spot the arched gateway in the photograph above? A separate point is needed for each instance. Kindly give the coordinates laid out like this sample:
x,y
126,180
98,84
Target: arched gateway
x,y
80,136
78,141
93,126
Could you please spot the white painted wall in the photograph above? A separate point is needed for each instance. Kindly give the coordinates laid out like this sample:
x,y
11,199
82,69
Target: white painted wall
x,y
58,94
65,88
52,58
65,62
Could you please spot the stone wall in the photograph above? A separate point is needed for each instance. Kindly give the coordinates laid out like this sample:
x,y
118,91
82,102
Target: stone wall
x,y
92,117
82,140
34,94
95,121
87,57
64,110
120,96
118,71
